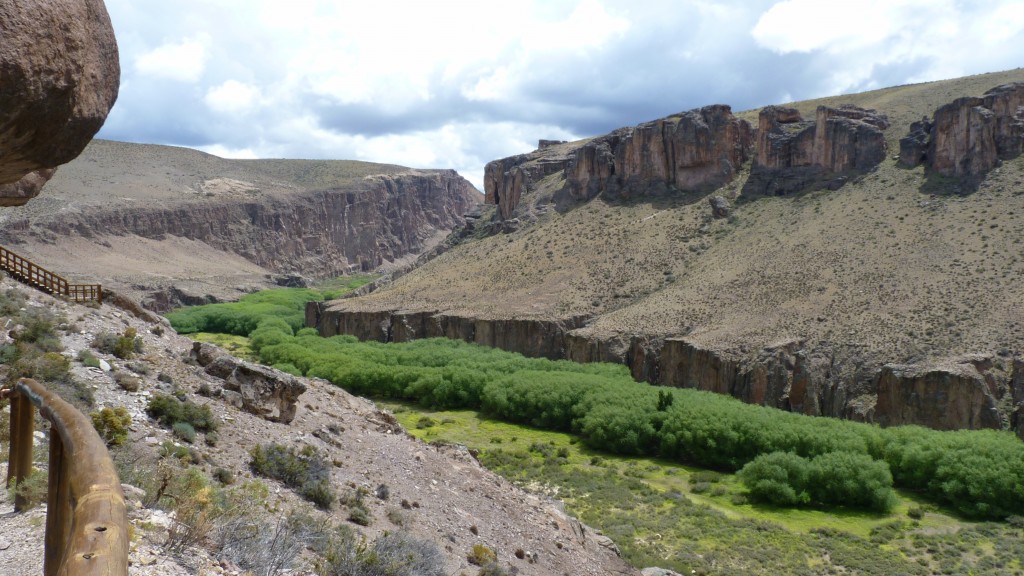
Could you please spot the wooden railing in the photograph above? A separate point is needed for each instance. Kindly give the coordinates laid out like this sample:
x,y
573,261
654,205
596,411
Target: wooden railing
x,y
26,271
86,518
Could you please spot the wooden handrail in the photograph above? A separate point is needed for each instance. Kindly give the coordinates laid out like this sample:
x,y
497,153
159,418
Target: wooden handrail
x,y
24,270
86,517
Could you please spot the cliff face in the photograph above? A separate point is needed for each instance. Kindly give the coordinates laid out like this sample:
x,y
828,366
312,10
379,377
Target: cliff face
x,y
322,233
947,399
969,136
789,375
793,153
697,150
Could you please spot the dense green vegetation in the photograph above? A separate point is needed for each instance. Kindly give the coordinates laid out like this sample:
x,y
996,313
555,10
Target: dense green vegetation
x,y
242,317
696,521
979,473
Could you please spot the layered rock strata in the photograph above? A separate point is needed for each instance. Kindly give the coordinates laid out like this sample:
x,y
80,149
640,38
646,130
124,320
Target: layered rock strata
x,y
969,136
60,79
791,375
793,153
697,150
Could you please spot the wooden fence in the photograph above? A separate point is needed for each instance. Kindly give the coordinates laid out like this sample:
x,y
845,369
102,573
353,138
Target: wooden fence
x,y
26,271
86,518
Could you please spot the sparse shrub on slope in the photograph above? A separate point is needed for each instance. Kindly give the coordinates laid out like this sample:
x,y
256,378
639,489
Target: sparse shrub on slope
x,y
306,471
168,411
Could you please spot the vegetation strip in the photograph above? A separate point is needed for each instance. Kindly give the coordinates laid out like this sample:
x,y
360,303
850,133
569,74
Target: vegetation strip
x,y
979,473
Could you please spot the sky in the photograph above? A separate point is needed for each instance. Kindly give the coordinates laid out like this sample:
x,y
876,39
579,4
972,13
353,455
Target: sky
x,y
456,84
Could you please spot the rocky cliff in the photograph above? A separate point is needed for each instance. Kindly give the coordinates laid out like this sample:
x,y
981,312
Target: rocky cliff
x,y
793,375
793,153
60,79
969,136
204,217
698,150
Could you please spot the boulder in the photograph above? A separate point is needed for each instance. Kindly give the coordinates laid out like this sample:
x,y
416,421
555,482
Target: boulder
x,y
793,153
261,390
60,78
21,191
720,207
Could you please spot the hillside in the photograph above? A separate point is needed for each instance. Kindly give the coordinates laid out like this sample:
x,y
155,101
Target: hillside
x,y
797,301
436,493
171,225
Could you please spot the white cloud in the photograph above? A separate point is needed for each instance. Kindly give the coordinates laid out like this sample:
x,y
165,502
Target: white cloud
x,y
458,83
182,61
232,97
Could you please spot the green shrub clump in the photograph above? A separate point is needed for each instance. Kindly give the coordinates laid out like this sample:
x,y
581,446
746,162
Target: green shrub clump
x,y
835,478
305,471
168,411
122,346
112,425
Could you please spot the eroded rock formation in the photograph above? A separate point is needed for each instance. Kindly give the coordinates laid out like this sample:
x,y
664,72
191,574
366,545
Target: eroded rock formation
x,y
793,153
697,150
969,136
261,390
60,78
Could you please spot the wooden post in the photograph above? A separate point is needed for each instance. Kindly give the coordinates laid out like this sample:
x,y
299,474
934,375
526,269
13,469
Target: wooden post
x,y
58,521
22,461
12,456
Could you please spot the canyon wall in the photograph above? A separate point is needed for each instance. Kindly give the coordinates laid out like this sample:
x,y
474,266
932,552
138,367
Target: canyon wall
x,y
793,375
793,153
698,150
331,232
969,136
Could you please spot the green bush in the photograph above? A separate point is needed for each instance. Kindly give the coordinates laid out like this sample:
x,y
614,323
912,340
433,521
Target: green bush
x,y
305,471
168,411
112,425
836,478
184,431
122,346
88,359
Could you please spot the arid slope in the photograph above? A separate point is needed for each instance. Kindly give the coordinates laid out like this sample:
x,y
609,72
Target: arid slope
x,y
897,266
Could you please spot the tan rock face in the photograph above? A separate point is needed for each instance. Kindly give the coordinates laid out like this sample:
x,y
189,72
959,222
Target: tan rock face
x,y
793,153
945,399
697,150
60,78
969,136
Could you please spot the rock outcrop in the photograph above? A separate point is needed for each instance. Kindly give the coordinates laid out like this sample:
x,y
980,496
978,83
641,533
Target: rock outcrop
x,y
793,153
969,136
60,78
21,191
266,392
944,398
697,151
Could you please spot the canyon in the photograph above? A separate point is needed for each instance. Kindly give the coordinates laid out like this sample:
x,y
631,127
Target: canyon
x,y
169,226
796,266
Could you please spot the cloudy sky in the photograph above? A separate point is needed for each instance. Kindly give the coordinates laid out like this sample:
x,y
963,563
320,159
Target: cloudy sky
x,y
455,84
